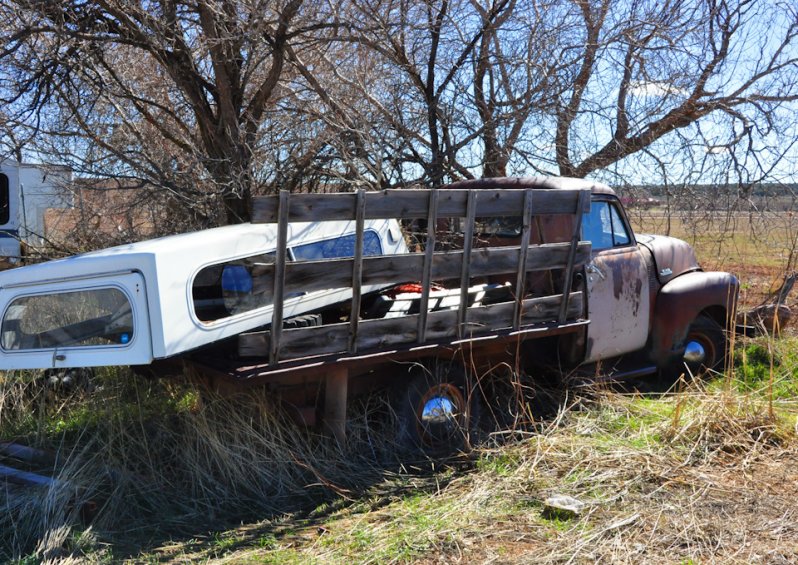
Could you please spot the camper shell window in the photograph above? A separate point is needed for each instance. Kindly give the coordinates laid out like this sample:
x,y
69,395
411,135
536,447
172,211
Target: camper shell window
x,y
338,247
226,289
85,318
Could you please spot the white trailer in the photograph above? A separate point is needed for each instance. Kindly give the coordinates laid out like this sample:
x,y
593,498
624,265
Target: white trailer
x,y
26,192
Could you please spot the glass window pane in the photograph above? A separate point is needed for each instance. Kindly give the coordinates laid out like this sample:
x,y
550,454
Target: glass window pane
x,y
68,319
604,227
226,289
597,226
338,247
620,236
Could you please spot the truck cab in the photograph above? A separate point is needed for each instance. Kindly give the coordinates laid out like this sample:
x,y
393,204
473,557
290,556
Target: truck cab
x,y
650,305
648,293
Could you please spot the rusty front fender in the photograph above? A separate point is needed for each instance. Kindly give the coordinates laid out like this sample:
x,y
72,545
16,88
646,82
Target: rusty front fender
x,y
680,301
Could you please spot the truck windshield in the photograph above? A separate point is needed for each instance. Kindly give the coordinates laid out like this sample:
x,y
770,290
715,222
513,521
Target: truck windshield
x,y
68,319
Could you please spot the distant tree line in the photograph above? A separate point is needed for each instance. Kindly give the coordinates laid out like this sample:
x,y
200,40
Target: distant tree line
x,y
208,102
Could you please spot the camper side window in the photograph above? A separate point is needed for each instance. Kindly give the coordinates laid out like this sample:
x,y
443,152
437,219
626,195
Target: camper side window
x,y
83,318
226,289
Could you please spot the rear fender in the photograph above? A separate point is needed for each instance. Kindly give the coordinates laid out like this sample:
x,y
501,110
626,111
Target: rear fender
x,y
681,300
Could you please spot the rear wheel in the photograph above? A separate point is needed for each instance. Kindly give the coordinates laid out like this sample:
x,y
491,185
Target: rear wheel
x,y
436,412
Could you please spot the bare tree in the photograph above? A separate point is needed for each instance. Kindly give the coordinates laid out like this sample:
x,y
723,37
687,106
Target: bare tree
x,y
420,53
212,100
649,69
174,91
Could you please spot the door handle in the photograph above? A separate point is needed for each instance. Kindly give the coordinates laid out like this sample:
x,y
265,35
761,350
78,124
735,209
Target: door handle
x,y
57,357
593,270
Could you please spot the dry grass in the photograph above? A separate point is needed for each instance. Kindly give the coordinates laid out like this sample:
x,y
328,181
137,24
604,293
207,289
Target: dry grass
x,y
153,459
708,474
704,474
695,477
759,247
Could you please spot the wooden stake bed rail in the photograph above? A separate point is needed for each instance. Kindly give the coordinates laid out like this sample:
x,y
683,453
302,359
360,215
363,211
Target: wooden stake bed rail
x,y
456,267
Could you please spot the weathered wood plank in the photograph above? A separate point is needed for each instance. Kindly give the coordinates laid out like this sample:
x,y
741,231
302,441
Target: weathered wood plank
x,y
279,277
413,203
357,270
465,271
335,396
584,200
309,276
523,254
426,271
390,332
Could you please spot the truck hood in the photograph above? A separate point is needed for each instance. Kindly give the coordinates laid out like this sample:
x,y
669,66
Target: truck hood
x,y
672,257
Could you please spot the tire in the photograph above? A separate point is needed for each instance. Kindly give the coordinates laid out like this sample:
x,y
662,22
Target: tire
x,y
67,381
705,349
436,413
302,321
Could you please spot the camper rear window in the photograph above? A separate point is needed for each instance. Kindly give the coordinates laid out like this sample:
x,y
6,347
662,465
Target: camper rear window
x,y
82,318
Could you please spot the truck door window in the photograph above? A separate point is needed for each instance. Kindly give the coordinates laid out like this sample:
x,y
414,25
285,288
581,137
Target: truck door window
x,y
82,318
604,227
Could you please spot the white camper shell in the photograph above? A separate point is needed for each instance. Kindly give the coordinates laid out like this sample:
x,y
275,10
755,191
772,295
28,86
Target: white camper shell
x,y
131,304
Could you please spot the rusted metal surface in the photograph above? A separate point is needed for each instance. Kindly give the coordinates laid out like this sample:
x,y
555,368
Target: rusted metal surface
x,y
618,303
672,257
681,301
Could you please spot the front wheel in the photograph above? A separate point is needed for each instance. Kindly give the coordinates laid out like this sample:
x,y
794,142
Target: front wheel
x,y
704,348
436,412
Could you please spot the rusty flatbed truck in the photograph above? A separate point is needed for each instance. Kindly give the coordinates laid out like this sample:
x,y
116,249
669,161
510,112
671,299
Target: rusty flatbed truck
x,y
571,285
532,271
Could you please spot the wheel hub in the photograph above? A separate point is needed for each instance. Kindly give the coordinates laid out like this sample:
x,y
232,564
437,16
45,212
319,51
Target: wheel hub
x,y
440,414
694,353
438,410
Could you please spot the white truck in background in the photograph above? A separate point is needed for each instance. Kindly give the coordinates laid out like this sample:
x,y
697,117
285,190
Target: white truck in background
x,y
27,191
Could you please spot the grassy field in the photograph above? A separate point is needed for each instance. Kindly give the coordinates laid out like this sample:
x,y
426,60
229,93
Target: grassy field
x,y
760,248
705,474
160,471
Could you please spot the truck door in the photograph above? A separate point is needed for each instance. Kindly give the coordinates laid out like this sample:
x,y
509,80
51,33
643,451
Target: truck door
x,y
84,322
617,283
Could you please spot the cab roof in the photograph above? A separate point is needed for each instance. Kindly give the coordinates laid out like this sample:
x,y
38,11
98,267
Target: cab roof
x,y
557,183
